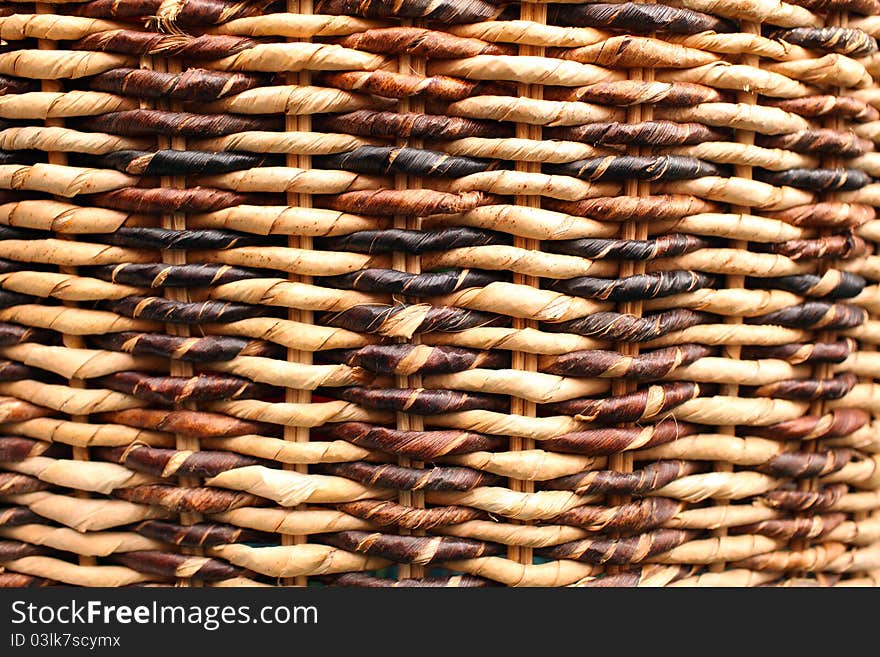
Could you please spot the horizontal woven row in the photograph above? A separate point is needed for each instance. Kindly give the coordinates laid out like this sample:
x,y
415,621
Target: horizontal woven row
x,y
448,293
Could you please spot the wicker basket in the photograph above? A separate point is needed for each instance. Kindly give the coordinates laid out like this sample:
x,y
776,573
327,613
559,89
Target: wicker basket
x,y
446,293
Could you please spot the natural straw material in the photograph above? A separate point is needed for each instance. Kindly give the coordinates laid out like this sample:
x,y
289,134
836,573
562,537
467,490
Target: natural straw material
x,y
440,294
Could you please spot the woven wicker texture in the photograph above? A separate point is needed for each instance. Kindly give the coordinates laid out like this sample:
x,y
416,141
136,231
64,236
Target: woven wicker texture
x,y
439,293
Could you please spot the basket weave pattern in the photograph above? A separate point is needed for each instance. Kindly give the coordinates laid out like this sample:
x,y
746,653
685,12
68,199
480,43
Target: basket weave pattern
x,y
439,293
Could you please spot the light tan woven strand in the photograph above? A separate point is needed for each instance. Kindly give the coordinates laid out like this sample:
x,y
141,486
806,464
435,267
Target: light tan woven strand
x,y
521,361
298,122
72,341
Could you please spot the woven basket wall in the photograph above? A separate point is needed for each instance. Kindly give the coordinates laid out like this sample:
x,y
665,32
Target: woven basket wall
x,y
447,293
